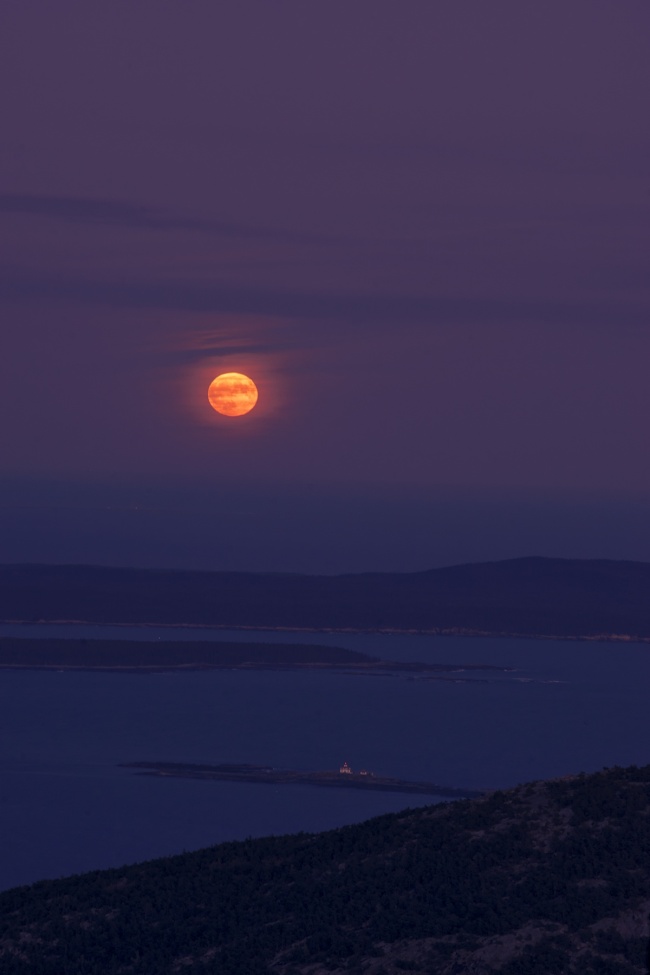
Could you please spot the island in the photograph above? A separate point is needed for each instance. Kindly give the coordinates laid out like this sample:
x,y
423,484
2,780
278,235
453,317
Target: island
x,y
161,656
343,778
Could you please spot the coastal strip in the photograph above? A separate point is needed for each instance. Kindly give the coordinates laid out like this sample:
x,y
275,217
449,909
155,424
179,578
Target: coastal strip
x,y
267,775
162,656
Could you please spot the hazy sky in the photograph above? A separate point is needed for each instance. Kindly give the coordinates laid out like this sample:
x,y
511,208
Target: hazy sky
x,y
421,227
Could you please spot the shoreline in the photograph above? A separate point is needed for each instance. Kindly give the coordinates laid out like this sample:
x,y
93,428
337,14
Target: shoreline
x,y
387,668
112,655
467,633
264,774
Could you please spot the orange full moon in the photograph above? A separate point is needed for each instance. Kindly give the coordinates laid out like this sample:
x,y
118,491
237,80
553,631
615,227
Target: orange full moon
x,y
232,394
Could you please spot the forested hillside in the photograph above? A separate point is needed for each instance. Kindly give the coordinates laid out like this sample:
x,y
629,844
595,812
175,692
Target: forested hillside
x,y
546,879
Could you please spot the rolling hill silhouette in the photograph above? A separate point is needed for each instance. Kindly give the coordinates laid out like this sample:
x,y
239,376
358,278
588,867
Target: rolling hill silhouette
x,y
531,597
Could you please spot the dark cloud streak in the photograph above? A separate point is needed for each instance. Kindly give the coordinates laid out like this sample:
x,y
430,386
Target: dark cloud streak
x,y
133,216
363,309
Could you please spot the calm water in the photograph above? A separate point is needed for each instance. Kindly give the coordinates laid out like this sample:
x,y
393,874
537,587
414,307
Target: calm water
x,y
65,806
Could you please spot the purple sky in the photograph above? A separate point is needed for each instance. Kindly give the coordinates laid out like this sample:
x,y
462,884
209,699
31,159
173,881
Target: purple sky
x,y
421,228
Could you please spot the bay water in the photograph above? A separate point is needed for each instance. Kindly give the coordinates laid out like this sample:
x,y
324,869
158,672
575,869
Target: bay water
x,y
66,805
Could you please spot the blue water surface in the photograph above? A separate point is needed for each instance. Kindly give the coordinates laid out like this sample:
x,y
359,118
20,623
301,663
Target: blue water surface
x,y
66,805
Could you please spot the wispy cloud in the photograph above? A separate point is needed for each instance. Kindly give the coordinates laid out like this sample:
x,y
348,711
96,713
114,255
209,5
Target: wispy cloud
x,y
134,216
396,310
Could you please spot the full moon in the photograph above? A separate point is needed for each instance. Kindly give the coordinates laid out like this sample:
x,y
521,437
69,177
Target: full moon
x,y
232,394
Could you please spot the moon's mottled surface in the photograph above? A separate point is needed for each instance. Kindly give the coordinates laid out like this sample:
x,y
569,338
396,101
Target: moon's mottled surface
x,y
232,394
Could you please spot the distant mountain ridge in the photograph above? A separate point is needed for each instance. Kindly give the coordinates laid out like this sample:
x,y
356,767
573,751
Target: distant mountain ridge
x,y
537,597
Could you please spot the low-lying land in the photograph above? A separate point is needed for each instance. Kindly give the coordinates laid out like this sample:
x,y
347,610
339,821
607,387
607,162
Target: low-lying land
x,y
155,656
550,878
266,775
162,655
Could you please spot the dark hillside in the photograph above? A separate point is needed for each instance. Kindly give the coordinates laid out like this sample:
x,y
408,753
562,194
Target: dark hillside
x,y
550,878
536,597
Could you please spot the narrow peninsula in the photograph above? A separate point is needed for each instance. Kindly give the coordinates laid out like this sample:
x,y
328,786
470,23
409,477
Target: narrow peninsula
x,y
343,778
160,656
